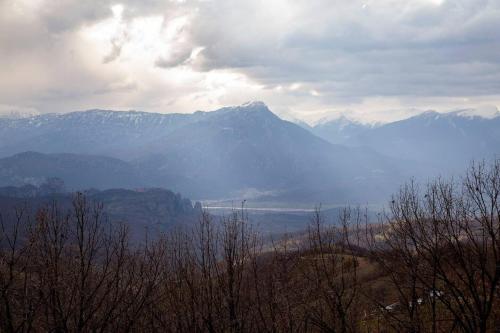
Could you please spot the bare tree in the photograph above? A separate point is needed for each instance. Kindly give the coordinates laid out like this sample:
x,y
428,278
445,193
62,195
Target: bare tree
x,y
331,271
19,301
441,248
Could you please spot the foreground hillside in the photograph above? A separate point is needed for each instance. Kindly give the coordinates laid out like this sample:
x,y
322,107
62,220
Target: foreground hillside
x,y
429,265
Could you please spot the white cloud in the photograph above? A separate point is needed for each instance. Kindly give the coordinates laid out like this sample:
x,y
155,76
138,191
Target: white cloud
x,y
303,58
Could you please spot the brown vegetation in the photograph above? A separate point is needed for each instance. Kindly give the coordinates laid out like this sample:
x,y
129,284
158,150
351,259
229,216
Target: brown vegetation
x,y
431,264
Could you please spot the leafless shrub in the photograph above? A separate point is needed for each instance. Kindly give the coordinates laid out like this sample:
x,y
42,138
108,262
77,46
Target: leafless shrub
x,y
441,245
430,264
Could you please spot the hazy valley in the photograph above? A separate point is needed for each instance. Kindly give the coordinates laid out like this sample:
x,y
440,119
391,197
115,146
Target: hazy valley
x,y
243,152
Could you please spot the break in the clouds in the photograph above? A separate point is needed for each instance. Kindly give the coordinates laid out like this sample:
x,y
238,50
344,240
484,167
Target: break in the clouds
x,y
305,58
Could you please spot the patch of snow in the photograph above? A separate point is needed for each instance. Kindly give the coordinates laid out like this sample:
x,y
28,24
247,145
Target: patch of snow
x,y
253,104
487,112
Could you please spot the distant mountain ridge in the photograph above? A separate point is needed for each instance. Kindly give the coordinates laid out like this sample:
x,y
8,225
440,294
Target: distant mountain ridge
x,y
101,132
223,153
340,130
97,132
438,142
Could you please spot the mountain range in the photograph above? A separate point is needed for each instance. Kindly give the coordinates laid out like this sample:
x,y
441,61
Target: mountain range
x,y
239,152
439,143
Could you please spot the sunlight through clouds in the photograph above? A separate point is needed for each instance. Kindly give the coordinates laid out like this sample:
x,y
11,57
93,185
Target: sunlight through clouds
x,y
161,49
300,57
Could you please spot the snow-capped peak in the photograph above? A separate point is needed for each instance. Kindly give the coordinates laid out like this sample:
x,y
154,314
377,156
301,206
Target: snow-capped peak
x,y
340,119
254,104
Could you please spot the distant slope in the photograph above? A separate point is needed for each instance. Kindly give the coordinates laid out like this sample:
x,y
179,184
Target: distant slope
x,y
77,171
156,209
447,141
340,131
96,132
238,149
152,210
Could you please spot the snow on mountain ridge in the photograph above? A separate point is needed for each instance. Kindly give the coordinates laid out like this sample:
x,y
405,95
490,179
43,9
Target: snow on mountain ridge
x,y
485,112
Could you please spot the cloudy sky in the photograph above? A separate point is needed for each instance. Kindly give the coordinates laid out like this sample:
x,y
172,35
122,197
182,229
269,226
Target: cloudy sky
x,y
373,59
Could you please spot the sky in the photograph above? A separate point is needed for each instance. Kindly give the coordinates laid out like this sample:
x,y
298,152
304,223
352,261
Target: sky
x,y
376,60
